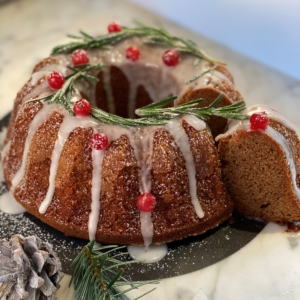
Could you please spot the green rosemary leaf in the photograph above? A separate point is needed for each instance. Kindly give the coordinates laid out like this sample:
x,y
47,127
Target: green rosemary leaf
x,y
160,103
216,101
90,79
73,69
86,35
46,98
74,36
199,75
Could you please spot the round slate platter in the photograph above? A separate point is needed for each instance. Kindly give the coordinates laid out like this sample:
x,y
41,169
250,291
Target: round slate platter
x,y
183,256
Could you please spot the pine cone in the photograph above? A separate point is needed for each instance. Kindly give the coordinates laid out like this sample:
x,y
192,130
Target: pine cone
x,y
29,269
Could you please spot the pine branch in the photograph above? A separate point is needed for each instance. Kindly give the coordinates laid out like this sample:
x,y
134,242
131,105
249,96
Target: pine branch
x,y
97,276
149,35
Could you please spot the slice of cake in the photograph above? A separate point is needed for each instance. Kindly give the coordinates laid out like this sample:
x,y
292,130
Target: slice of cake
x,y
261,160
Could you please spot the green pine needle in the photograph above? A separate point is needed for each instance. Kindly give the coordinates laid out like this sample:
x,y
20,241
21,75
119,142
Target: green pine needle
x,y
97,274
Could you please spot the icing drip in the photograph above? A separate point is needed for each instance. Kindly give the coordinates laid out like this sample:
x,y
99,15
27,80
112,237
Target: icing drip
x,y
146,228
9,205
108,90
181,139
153,254
68,125
35,77
96,191
289,156
38,120
142,143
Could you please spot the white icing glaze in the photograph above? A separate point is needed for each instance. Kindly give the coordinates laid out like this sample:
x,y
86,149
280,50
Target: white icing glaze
x,y
37,121
235,126
181,139
142,142
146,228
152,254
68,125
272,114
97,156
35,77
9,205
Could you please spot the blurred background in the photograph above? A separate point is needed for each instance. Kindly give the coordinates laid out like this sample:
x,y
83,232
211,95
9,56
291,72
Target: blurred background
x,y
266,30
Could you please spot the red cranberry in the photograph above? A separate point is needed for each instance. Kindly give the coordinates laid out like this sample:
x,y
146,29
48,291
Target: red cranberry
x,y
56,80
82,108
132,53
99,141
79,57
146,202
171,58
259,120
114,27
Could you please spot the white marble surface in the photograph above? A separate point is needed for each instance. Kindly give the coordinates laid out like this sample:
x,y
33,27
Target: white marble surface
x,y
268,267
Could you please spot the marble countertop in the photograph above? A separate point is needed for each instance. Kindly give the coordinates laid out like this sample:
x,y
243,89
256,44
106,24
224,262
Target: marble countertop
x,y
268,267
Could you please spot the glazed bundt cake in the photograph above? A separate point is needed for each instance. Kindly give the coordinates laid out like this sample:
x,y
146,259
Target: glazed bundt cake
x,y
83,176
260,164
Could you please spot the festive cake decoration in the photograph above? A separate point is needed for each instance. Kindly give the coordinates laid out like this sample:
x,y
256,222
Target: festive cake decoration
x,y
79,57
149,35
259,121
82,108
171,57
114,27
132,53
115,158
56,80
29,269
99,141
146,202
98,273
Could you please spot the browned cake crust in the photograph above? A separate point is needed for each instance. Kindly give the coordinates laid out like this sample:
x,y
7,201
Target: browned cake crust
x,y
257,174
174,216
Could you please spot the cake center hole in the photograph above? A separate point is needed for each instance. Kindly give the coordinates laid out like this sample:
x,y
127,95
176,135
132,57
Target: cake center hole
x,y
122,90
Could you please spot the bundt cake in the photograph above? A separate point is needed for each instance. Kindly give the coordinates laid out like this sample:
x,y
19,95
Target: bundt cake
x,y
260,164
83,177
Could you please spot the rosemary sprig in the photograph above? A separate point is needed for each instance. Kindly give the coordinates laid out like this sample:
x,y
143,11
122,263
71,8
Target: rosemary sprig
x,y
64,95
200,75
149,35
98,275
157,110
